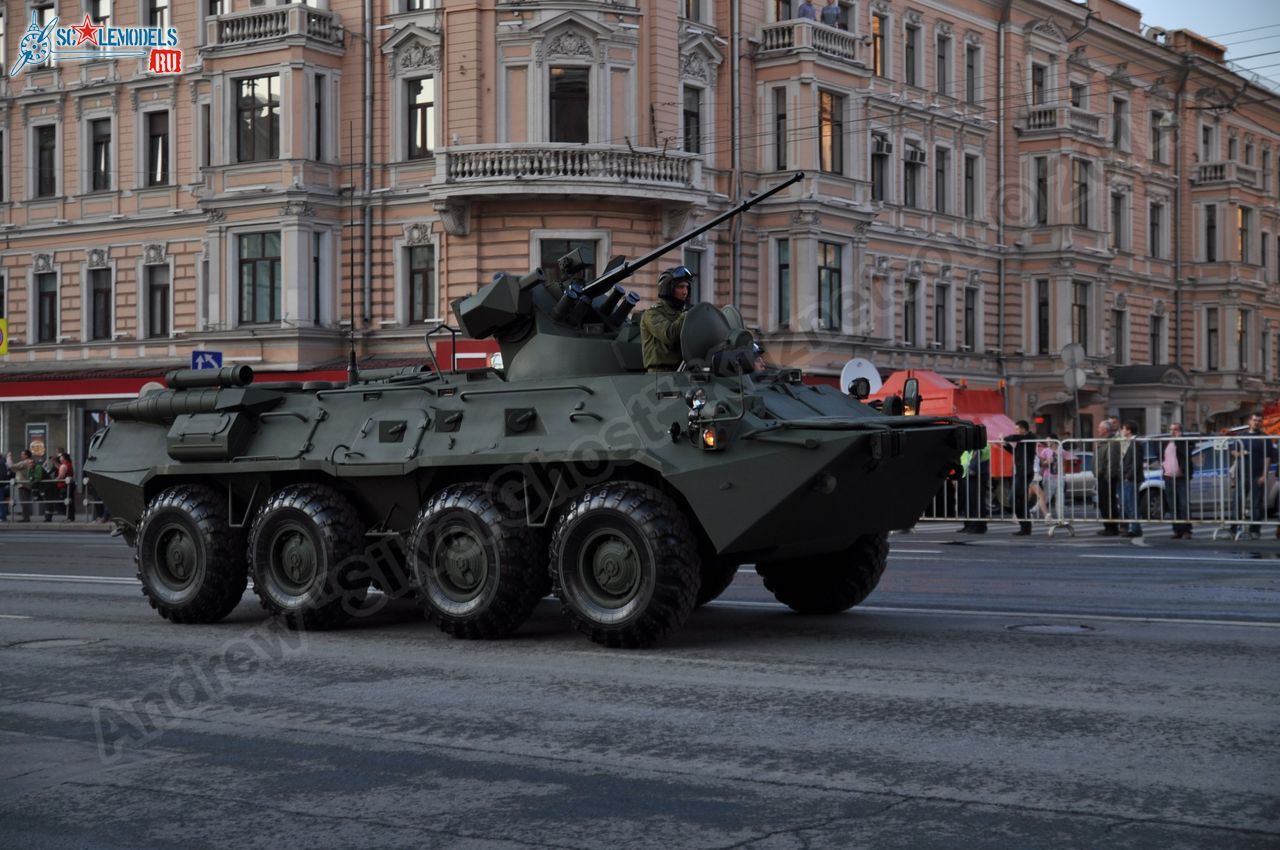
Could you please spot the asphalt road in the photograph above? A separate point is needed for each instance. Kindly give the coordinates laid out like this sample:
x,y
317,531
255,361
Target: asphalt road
x,y
994,692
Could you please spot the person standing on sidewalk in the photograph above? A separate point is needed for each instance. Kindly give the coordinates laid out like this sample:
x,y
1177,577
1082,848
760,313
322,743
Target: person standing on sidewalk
x,y
1257,454
1023,445
1177,475
1106,465
1132,472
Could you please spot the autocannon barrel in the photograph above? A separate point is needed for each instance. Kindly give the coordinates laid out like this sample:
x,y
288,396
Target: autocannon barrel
x,y
165,404
227,376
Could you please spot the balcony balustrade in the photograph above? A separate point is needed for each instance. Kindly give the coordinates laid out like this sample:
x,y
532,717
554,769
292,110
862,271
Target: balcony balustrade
x,y
257,25
801,34
1209,173
1056,118
473,165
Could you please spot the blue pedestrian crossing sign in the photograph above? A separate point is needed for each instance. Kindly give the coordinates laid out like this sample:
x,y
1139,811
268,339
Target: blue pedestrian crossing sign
x,y
206,360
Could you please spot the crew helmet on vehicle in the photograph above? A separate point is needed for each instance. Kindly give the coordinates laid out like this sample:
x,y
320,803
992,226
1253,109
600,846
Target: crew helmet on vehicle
x,y
668,279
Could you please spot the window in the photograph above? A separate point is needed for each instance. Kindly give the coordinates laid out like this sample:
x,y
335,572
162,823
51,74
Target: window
x,y
157,301
693,261
158,13
1262,254
1119,242
1244,218
1242,339
1039,84
2,138
911,55
1119,123
1119,337
782,10
318,115
570,105
1079,95
829,282
100,164
260,281
1208,144
1210,233
910,311
422,283
47,307
880,150
551,250
100,303
44,10
46,145
100,11
970,186
913,163
1080,314
784,282
1042,316
1041,168
941,180
206,142
1157,340
941,314
258,119
831,132
1232,148
215,8
971,318
692,119
157,148
942,67
972,70
1157,137
1211,338
420,106
4,297
780,128
692,9
1080,193
1155,231
879,23
1248,153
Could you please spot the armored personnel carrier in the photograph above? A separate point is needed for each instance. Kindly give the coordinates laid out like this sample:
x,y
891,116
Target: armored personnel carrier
x,y
633,496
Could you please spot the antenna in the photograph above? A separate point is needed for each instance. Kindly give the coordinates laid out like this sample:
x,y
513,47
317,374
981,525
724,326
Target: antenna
x,y
353,372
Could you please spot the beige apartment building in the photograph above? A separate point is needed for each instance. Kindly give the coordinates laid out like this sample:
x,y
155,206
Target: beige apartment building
x,y
986,183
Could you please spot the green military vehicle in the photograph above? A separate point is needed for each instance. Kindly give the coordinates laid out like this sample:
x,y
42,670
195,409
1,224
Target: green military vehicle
x,y
632,496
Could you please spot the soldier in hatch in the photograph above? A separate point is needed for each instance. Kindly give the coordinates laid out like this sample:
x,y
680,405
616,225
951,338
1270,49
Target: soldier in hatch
x,y
661,324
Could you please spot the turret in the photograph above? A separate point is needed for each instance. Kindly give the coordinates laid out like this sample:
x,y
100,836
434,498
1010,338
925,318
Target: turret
x,y
547,330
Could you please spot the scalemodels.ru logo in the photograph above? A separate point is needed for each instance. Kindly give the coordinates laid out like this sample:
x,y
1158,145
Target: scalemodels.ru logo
x,y
41,44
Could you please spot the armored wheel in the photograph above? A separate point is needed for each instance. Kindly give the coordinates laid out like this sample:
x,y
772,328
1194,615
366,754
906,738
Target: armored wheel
x,y
305,549
474,563
190,561
624,564
717,575
831,583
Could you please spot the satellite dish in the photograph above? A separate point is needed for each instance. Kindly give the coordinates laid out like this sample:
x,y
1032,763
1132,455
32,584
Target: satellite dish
x,y
860,368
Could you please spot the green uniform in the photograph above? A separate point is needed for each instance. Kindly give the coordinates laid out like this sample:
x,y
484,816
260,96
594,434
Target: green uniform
x,y
660,328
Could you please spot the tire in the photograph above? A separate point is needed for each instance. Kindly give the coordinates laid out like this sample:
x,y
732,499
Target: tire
x,y
1153,505
717,575
190,561
306,549
828,584
625,565
476,566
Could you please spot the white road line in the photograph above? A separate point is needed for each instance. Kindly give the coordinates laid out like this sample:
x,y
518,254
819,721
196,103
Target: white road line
x,y
1178,558
73,579
13,617
1021,615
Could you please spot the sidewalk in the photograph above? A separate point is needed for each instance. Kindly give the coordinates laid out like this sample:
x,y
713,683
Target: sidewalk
x,y
56,524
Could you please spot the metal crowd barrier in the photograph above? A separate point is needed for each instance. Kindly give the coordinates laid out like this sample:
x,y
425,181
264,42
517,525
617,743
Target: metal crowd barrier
x,y
1227,486
33,500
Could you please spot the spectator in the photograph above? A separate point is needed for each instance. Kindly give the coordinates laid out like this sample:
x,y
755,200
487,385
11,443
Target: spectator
x,y
1177,469
831,13
5,460
1106,466
22,470
67,485
1255,457
1132,471
808,10
1023,445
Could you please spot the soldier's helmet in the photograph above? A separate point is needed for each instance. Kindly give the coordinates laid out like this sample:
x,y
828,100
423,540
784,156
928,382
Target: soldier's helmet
x,y
668,279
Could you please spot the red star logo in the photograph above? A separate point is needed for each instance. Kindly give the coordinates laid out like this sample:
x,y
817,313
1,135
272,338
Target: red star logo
x,y
88,31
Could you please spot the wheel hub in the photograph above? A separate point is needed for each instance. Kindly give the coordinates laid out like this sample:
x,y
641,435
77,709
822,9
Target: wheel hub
x,y
295,559
178,556
611,569
461,564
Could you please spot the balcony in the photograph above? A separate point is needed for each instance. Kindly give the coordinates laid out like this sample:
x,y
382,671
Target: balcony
x,y
804,35
1223,173
1058,118
559,168
294,22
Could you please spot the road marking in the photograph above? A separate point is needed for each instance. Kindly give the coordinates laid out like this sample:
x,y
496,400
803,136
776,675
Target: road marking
x,y
960,612
75,579
1241,560
13,617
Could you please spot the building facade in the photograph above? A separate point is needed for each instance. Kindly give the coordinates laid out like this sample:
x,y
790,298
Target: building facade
x,y
986,184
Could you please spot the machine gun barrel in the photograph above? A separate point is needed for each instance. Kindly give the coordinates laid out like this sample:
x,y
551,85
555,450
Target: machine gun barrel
x,y
606,281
